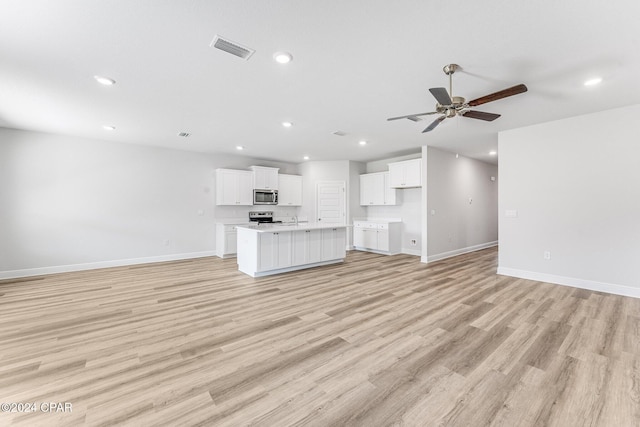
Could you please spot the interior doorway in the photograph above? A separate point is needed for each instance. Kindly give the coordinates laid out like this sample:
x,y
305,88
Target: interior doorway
x,y
331,202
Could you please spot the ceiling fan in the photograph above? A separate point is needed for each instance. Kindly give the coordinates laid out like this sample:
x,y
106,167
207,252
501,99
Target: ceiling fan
x,y
451,106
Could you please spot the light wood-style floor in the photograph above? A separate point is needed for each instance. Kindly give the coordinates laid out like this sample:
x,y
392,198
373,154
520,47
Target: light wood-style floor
x,y
376,341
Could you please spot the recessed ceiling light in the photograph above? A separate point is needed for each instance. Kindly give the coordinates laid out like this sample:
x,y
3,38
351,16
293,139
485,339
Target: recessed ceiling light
x,y
287,124
363,142
594,81
107,127
306,157
283,57
104,80
239,147
493,153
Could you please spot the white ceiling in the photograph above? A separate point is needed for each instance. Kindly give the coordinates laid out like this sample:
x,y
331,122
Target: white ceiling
x,y
355,64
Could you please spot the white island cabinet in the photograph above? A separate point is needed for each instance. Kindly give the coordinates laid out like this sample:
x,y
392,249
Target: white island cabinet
x,y
274,249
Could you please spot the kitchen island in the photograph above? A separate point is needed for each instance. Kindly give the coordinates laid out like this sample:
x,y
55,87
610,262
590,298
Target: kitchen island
x,y
273,249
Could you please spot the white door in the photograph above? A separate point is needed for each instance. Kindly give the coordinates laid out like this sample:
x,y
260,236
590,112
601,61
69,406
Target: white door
x,y
331,202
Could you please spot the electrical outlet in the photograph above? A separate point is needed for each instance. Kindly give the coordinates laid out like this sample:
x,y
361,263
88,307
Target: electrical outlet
x,y
546,255
414,242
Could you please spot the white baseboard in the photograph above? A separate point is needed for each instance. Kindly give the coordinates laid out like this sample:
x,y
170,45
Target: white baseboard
x,y
12,274
408,251
460,251
610,288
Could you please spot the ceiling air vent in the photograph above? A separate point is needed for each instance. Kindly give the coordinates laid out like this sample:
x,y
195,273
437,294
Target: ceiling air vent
x,y
232,47
184,134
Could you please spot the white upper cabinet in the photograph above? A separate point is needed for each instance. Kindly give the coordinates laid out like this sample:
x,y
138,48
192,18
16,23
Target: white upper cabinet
x,y
375,190
289,190
389,192
265,178
234,187
405,174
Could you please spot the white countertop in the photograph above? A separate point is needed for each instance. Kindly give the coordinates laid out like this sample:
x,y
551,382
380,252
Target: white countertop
x,y
292,227
378,220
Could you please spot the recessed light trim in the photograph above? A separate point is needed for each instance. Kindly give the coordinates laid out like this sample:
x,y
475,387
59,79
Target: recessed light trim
x,y
239,147
282,57
363,142
107,127
594,81
104,80
287,124
493,153
305,158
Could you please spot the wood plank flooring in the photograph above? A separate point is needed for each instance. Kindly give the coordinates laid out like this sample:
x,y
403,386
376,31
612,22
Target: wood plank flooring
x,y
375,341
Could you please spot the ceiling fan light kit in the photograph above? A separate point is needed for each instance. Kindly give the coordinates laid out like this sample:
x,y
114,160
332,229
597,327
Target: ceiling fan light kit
x,y
450,106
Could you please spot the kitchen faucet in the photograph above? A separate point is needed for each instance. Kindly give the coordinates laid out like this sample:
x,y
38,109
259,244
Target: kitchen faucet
x,y
295,218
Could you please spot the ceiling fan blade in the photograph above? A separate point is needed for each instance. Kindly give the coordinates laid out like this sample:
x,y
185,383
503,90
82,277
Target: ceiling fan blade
x,y
489,117
434,123
411,115
441,95
498,95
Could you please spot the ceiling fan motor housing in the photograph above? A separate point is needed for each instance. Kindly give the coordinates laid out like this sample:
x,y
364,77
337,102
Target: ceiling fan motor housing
x,y
458,100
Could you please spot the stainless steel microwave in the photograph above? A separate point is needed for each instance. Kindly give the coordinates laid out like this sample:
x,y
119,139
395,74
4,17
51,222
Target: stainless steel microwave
x,y
265,197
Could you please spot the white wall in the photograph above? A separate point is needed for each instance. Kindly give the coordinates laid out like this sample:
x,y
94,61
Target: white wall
x,y
335,170
314,171
71,203
575,186
408,207
462,205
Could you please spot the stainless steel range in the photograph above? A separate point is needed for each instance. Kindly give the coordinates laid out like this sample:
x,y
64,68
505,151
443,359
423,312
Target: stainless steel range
x,y
262,217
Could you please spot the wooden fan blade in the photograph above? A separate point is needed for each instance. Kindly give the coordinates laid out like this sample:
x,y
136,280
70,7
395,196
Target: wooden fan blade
x,y
411,115
481,115
441,95
433,124
499,95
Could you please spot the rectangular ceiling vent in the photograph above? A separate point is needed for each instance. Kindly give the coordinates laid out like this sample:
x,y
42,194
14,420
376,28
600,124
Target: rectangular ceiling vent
x,y
232,47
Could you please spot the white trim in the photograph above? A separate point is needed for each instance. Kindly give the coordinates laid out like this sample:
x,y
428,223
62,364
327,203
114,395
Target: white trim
x,y
375,251
407,251
288,269
460,251
12,274
610,288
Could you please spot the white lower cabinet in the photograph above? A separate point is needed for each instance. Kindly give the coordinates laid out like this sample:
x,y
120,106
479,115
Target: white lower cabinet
x,y
307,246
226,240
275,250
334,243
377,237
